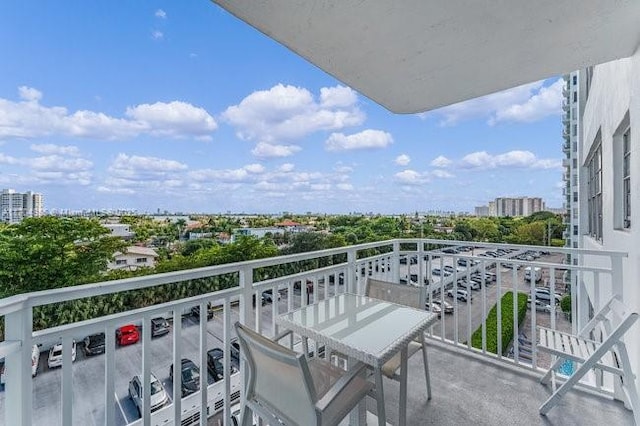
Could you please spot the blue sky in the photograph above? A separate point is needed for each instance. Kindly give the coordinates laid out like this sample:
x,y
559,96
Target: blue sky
x,y
179,106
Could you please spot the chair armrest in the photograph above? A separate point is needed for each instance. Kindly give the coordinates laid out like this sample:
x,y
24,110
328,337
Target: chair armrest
x,y
281,335
339,385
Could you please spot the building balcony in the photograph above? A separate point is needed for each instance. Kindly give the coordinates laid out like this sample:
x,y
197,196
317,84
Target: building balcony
x,y
470,385
566,106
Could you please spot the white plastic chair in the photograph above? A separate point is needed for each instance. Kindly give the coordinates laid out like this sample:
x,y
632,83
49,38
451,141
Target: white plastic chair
x,y
284,387
607,353
407,295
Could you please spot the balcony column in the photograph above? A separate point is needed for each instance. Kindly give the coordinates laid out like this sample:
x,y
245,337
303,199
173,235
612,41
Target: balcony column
x,y
18,383
617,286
351,271
246,283
395,271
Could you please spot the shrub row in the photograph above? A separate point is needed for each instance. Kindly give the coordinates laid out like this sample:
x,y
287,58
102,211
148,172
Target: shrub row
x,y
506,306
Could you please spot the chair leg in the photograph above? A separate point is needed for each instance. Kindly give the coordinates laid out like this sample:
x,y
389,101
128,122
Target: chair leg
x,y
566,386
426,367
247,416
545,379
382,417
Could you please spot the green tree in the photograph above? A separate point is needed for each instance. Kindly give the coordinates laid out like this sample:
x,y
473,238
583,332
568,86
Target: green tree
x,y
49,252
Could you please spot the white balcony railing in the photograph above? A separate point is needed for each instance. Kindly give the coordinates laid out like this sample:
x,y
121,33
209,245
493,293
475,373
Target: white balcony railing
x,y
325,273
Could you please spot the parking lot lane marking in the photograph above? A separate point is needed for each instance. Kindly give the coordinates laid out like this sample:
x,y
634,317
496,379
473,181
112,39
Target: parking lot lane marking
x,y
121,409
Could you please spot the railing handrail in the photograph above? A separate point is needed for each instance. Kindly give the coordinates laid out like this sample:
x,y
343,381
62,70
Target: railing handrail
x,y
45,297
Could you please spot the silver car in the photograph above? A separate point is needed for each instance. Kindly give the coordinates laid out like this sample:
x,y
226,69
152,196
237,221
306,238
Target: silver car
x,y
159,397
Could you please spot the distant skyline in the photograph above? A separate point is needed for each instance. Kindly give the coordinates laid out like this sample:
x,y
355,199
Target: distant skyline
x,y
181,107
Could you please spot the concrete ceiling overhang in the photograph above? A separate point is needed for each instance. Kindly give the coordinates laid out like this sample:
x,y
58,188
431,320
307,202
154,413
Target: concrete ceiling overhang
x,y
416,55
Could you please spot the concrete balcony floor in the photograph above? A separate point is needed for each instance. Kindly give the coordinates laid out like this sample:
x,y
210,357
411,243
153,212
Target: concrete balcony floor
x,y
470,391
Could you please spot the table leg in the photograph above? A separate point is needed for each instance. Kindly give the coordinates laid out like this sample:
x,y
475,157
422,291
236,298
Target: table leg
x,y
403,387
382,417
358,416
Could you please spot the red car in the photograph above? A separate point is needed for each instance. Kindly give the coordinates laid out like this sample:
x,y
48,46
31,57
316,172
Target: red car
x,y
127,335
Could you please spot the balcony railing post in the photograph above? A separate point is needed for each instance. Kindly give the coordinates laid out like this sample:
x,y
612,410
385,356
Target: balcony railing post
x,y
246,283
396,262
18,384
617,286
351,271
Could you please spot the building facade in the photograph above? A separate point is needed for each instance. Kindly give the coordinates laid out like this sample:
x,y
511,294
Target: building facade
x,y
511,206
609,170
15,206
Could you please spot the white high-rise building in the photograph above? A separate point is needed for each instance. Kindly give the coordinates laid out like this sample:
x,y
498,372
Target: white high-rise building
x,y
608,161
518,206
15,206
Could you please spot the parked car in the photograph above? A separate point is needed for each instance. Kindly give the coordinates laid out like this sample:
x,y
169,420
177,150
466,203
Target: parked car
x,y
94,344
159,327
235,352
530,272
215,364
444,305
159,397
466,262
127,335
35,362
267,296
190,377
433,307
195,311
461,294
541,305
55,354
544,294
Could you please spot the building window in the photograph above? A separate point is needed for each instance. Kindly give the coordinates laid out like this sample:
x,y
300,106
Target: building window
x,y
594,190
575,80
626,177
575,229
575,96
121,261
141,260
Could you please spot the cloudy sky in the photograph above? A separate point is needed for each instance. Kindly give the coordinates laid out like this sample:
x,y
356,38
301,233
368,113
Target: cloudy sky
x,y
179,106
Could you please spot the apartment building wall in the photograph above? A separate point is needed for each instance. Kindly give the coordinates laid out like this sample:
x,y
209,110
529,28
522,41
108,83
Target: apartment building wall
x,y
612,105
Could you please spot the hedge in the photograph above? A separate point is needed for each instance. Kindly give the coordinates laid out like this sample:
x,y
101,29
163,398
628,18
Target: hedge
x,y
507,323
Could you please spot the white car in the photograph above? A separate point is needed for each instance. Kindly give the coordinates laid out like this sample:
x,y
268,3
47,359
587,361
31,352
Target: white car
x,y
55,354
541,305
159,397
460,295
35,361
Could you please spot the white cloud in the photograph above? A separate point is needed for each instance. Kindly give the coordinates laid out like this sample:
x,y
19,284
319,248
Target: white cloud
x,y
286,167
56,163
30,119
266,150
175,119
160,14
288,112
157,35
254,168
519,159
367,139
134,167
442,174
338,96
548,101
410,177
402,160
7,159
441,161
108,190
29,93
49,148
345,186
526,103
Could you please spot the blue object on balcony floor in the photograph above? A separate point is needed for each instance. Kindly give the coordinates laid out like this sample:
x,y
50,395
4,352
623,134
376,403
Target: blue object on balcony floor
x,y
566,368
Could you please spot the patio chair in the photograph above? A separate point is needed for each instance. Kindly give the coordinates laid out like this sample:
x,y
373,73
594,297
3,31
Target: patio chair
x,y
407,295
597,346
284,387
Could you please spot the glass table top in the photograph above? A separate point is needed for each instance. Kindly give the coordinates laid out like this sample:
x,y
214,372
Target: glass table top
x,y
368,329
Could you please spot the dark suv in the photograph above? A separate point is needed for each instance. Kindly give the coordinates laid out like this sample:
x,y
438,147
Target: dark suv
x,y
195,311
159,327
94,344
190,377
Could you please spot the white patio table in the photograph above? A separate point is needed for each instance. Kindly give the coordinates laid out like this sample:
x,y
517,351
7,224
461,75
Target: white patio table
x,y
365,329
